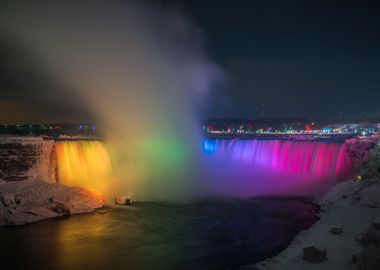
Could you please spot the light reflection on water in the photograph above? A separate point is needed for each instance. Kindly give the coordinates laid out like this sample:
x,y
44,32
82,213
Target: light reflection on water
x,y
251,167
205,235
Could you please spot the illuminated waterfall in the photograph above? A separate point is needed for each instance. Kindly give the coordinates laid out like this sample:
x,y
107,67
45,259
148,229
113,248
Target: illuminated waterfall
x,y
83,164
231,167
315,159
259,167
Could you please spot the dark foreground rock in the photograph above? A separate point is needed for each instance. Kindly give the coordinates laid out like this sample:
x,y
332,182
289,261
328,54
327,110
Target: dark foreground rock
x,y
30,201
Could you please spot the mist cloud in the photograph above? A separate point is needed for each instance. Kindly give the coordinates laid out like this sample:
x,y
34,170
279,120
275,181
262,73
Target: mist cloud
x,y
79,49
141,71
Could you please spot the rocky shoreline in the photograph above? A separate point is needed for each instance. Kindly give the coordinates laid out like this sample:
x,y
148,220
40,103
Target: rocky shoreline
x,y
24,202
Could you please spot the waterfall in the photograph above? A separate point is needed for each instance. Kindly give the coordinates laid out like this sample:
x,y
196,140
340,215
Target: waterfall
x,y
255,167
83,164
315,159
233,167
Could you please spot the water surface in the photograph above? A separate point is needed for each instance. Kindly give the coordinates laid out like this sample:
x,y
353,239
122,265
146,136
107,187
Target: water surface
x,y
212,234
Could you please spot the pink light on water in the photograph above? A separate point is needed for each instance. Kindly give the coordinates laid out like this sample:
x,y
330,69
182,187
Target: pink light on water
x,y
268,167
314,159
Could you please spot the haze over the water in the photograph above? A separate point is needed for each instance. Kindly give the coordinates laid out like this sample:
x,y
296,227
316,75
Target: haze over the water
x,y
141,73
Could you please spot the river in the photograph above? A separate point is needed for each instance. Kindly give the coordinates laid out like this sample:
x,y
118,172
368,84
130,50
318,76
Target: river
x,y
207,234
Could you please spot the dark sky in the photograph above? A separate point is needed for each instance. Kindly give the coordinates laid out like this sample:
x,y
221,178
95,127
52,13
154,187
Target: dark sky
x,y
300,58
28,90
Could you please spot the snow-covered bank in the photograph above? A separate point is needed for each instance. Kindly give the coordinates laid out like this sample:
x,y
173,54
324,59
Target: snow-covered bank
x,y
353,206
355,221
29,201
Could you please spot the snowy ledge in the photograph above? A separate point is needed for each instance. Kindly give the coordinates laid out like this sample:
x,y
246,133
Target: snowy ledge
x,y
29,201
352,206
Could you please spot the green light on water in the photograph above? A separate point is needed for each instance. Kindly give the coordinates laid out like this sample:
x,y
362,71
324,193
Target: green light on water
x,y
166,153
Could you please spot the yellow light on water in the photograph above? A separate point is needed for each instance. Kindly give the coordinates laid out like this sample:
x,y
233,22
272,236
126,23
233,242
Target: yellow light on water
x,y
83,164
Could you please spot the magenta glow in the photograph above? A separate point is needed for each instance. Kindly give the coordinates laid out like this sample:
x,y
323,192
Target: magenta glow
x,y
253,167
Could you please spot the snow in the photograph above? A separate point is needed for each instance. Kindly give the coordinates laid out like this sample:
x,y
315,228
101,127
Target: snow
x,y
363,193
355,220
351,205
29,201
28,190
20,139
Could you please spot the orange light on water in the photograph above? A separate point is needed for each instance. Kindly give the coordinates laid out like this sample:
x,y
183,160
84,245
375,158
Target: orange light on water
x,y
83,164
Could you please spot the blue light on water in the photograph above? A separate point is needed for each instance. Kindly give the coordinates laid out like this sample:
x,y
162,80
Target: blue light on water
x,y
209,146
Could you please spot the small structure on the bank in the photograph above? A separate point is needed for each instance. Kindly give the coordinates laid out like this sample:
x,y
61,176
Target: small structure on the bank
x,y
336,230
313,254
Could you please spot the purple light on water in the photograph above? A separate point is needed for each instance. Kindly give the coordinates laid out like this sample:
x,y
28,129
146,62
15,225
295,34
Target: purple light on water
x,y
253,167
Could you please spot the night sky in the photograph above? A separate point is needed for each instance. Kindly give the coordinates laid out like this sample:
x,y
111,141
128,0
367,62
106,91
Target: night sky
x,y
299,58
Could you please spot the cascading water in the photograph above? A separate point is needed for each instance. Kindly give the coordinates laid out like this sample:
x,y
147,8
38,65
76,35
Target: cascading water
x,y
83,164
254,167
314,159
232,167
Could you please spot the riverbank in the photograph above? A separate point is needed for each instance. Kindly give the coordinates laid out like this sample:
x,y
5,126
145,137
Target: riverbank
x,y
24,202
352,206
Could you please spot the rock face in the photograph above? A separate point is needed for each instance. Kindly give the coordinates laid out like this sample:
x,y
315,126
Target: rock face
x,y
26,157
359,150
33,200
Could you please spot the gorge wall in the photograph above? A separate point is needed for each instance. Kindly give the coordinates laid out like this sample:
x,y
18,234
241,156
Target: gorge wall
x,y
25,158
